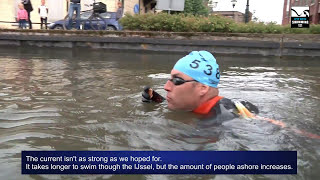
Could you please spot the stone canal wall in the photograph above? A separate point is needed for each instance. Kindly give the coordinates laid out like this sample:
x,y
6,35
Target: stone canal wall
x,y
220,43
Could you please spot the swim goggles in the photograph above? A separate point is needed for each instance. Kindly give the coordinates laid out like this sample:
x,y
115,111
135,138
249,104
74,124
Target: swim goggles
x,y
178,81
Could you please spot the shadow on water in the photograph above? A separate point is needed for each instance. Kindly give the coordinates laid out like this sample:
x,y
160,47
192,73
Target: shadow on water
x,y
81,99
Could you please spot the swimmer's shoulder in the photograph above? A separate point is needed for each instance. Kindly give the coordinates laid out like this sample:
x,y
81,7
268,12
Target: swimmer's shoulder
x,y
229,104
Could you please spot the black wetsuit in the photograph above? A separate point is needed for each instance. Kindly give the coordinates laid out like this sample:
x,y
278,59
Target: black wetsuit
x,y
225,109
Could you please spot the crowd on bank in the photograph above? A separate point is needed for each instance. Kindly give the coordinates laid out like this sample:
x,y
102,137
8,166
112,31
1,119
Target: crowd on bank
x,y
24,12
25,8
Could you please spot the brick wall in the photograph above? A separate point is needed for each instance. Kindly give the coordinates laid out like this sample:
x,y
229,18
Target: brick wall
x,y
129,5
7,10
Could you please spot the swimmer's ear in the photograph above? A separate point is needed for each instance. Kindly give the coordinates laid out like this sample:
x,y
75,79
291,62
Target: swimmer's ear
x,y
204,89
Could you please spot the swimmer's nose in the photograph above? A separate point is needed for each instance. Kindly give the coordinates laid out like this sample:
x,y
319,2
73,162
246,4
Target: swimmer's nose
x,y
168,86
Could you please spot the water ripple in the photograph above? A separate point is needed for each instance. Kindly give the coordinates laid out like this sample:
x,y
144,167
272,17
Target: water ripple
x,y
91,100
22,136
17,115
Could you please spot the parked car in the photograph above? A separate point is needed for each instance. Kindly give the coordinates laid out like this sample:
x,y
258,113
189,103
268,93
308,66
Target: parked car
x,y
109,17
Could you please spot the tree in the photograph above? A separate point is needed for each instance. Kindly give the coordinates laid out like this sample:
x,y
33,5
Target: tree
x,y
195,7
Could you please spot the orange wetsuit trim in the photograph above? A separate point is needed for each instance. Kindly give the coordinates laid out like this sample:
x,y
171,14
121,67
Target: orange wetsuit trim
x,y
207,106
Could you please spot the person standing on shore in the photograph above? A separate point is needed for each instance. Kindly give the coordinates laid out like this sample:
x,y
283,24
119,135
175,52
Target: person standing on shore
x,y
28,7
119,11
43,12
22,16
75,5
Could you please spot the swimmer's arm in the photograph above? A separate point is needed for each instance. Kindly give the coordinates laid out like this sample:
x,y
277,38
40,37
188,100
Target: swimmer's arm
x,y
251,107
246,109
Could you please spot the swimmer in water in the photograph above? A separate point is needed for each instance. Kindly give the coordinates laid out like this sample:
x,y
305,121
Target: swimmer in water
x,y
193,86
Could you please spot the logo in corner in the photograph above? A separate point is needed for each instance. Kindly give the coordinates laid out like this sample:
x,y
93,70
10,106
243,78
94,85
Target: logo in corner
x,y
300,17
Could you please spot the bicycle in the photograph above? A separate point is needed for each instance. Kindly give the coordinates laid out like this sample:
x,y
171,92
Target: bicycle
x,y
94,21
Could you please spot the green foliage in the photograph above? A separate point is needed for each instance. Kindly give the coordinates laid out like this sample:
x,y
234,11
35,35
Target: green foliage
x,y
194,7
211,23
176,23
314,29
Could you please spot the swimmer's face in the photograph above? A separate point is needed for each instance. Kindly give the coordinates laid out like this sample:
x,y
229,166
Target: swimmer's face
x,y
184,96
20,6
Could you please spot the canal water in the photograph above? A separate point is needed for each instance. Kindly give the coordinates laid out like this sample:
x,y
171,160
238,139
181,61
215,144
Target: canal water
x,y
84,99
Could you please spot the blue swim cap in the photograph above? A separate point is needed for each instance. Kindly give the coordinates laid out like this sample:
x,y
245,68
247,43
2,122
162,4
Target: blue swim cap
x,y
201,66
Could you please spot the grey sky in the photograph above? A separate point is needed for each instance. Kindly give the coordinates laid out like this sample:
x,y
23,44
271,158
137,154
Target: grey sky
x,y
265,10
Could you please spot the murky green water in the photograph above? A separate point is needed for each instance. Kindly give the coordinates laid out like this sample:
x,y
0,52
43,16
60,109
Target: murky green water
x,y
55,99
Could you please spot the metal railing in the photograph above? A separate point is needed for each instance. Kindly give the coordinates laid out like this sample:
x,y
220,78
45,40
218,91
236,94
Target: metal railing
x,y
16,23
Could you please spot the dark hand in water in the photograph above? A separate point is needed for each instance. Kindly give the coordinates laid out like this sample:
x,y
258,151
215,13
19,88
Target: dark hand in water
x,y
149,95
